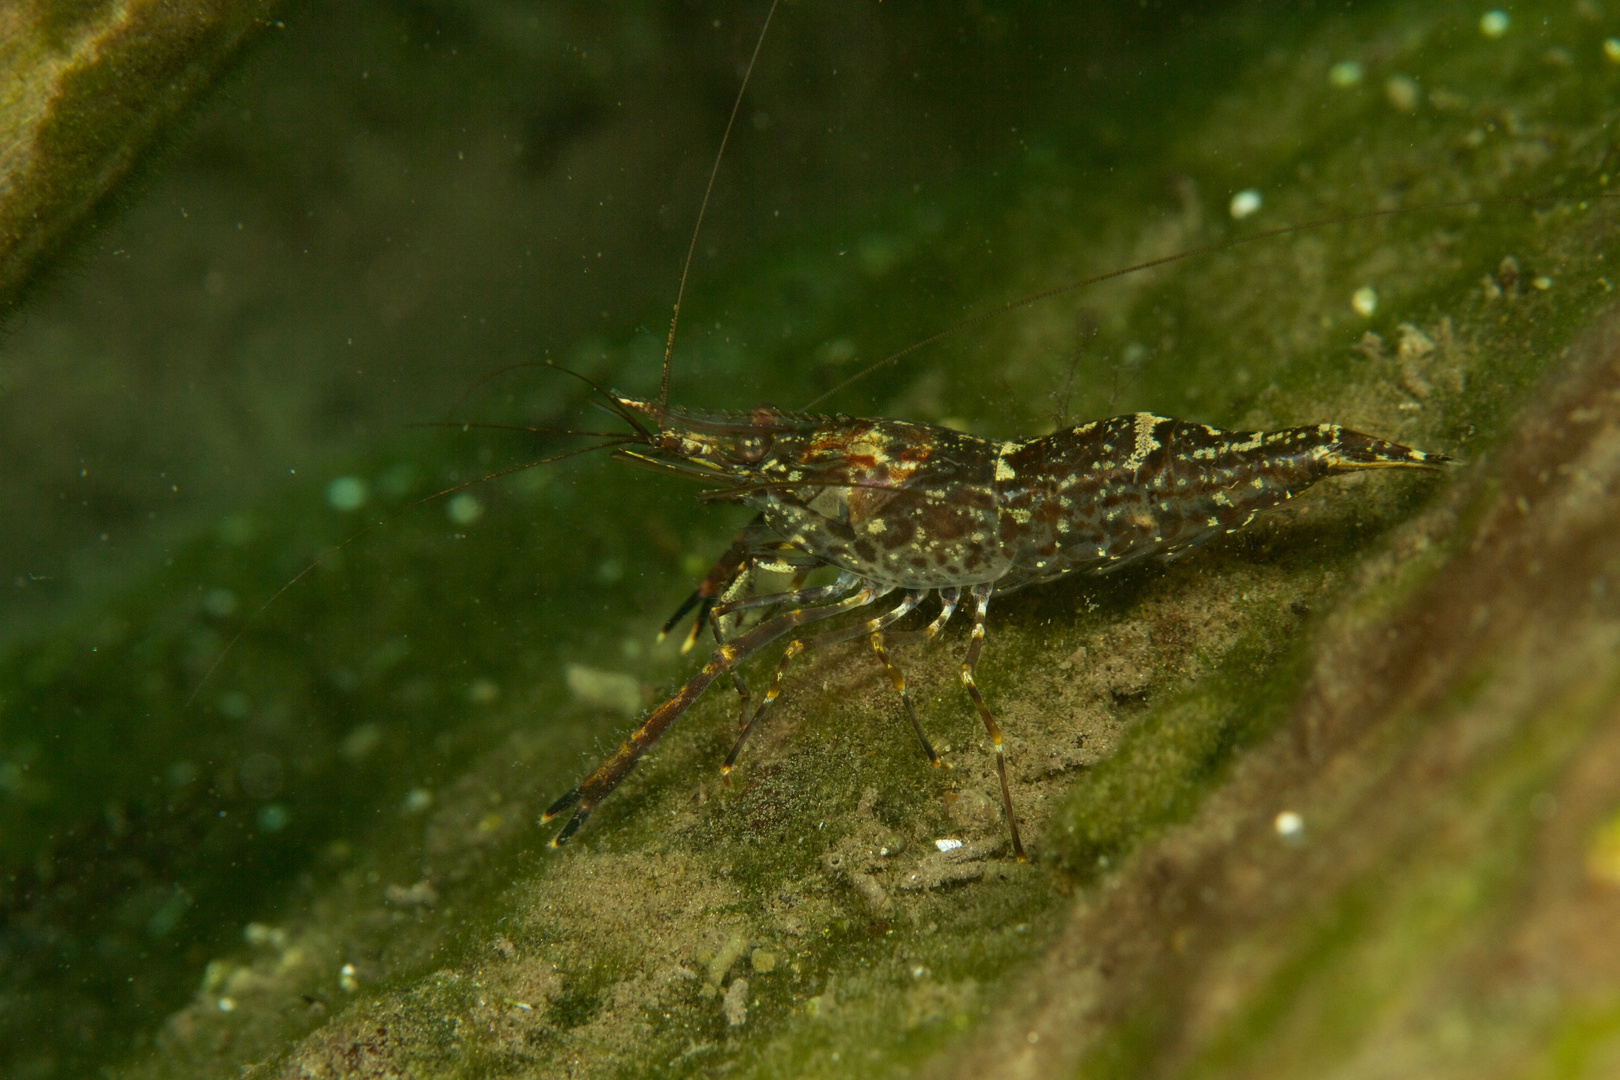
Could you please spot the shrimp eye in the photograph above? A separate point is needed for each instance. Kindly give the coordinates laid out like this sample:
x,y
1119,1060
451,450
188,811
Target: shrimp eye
x,y
750,448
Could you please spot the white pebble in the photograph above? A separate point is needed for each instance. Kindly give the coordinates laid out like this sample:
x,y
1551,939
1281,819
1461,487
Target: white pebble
x,y
604,689
1245,203
947,845
1365,301
735,1003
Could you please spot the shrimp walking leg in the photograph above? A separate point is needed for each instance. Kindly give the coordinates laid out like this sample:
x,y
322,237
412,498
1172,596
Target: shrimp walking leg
x,y
799,645
948,599
582,798
720,577
947,607
981,597
796,596
898,678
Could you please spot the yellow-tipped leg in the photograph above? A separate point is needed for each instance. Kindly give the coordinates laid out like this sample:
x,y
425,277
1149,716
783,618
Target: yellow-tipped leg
x,y
898,680
981,594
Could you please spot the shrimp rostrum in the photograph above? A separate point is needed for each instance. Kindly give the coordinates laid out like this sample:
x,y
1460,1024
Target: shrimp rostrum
x,y
908,511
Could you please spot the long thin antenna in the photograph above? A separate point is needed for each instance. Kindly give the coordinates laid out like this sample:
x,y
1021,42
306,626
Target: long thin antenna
x,y
252,620
691,249
481,425
1073,286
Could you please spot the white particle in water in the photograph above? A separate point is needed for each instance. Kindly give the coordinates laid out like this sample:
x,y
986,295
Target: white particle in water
x,y
347,493
1403,92
1289,824
464,509
1245,203
1344,74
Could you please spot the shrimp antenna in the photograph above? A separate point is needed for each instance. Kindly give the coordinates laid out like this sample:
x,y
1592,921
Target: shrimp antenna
x,y
491,377
607,395
613,404
691,248
253,619
1205,249
484,425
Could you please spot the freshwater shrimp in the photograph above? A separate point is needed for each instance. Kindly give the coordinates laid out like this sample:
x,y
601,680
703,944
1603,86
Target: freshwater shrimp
x,y
906,513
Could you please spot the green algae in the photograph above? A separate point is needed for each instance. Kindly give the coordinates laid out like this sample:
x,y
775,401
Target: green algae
x,y
1582,1045
394,637
93,87
1175,752
1402,922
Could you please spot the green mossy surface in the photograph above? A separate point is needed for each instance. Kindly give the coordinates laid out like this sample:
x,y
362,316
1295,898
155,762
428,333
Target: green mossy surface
x,y
431,656
92,87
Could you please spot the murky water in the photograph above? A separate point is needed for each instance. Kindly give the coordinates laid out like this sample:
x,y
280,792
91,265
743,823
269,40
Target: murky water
x,y
386,203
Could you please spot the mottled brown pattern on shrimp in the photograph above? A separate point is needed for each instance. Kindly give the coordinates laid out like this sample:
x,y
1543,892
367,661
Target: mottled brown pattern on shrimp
x,y
918,509
1108,493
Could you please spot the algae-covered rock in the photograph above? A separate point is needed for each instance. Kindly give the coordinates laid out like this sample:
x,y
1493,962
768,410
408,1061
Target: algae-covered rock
x,y
1332,796
87,87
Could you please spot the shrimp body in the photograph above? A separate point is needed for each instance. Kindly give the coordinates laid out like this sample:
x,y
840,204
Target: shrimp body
x,y
913,506
920,510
